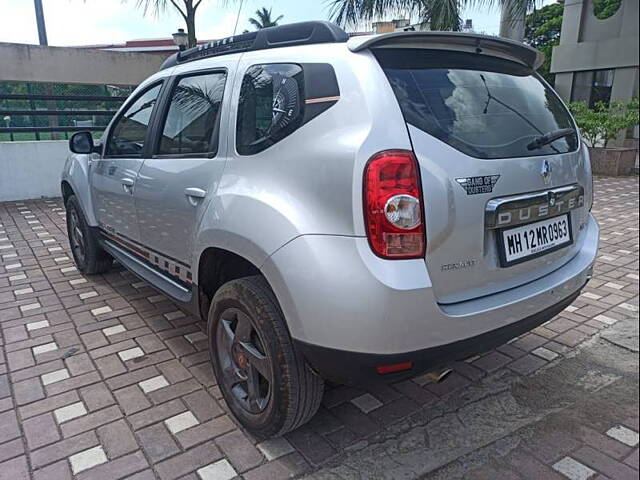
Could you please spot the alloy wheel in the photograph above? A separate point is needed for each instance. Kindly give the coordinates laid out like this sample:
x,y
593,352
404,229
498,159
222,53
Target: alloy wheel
x,y
246,368
76,237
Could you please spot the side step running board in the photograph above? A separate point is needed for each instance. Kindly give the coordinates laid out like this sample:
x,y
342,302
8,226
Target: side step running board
x,y
159,281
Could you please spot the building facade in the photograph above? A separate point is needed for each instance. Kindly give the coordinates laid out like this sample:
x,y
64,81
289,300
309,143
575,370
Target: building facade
x,y
597,58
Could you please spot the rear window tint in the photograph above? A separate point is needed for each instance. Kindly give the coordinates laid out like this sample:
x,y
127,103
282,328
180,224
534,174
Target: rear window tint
x,y
277,99
271,106
482,106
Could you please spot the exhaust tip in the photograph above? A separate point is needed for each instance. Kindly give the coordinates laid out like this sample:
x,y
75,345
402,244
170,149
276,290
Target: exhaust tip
x,y
438,376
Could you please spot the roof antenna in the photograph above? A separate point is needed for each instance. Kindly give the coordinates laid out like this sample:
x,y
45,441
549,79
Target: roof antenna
x,y
235,27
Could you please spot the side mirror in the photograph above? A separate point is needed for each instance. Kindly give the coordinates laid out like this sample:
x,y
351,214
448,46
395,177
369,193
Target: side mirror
x,y
82,142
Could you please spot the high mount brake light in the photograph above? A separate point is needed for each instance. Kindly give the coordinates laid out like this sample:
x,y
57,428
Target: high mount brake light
x,y
392,205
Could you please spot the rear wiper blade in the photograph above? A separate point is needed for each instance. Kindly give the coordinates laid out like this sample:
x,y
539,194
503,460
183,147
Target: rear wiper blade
x,y
552,136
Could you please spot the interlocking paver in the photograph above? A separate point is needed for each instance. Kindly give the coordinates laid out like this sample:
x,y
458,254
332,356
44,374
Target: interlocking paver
x,y
205,431
189,461
40,431
602,463
633,459
11,449
86,459
63,449
155,414
48,404
203,405
366,403
181,422
37,325
157,442
60,471
125,362
602,443
114,330
130,354
153,384
14,469
624,435
44,348
275,448
573,469
9,427
53,377
288,466
220,470
69,412
117,438
237,448
118,468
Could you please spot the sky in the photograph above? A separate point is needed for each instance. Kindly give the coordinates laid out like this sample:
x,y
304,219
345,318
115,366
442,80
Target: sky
x,y
88,22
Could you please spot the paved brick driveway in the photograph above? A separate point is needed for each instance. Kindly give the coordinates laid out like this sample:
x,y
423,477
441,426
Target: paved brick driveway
x,y
102,377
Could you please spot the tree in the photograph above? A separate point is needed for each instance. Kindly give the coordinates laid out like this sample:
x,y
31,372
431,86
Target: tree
x,y
603,9
441,14
605,121
264,19
542,31
186,9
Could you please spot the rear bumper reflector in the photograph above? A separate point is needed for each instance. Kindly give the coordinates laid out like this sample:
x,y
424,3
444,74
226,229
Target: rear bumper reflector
x,y
394,367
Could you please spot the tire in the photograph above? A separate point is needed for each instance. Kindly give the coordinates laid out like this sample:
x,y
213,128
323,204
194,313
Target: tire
x,y
88,255
246,355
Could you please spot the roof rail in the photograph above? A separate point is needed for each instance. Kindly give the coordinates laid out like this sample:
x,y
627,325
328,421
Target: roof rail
x,y
303,33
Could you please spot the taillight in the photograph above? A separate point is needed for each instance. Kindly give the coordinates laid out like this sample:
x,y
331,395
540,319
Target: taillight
x,y
392,205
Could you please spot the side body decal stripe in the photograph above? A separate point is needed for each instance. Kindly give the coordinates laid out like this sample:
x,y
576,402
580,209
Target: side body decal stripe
x,y
175,269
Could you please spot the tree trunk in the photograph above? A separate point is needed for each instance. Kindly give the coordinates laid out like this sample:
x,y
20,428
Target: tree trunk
x,y
191,25
511,27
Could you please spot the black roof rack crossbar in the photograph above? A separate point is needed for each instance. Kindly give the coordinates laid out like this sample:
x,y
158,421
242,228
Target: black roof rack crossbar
x,y
303,33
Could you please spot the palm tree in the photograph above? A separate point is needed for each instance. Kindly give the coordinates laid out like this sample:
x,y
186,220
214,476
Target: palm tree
x,y
264,19
186,9
441,14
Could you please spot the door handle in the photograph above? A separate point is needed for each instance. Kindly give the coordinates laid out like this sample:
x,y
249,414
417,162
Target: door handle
x,y
127,184
194,194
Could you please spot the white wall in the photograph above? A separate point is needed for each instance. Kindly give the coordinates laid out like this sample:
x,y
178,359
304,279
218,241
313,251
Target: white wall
x,y
34,63
31,169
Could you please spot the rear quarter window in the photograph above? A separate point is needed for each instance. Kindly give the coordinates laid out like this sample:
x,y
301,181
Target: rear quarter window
x,y
482,106
277,99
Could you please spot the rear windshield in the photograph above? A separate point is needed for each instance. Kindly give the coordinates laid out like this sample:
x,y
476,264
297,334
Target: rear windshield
x,y
483,106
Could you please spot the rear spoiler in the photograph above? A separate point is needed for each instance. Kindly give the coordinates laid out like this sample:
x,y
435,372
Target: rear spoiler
x,y
455,41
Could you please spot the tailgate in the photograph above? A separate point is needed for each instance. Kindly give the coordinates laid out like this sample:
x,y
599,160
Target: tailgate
x,y
472,120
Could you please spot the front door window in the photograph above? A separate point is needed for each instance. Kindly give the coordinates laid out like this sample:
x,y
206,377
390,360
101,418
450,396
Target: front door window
x,y
128,134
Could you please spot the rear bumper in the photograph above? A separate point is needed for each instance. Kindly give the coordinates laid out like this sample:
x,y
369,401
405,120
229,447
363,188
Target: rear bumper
x,y
356,368
335,293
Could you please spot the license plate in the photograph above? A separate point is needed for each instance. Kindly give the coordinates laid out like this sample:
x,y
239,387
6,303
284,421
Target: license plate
x,y
534,239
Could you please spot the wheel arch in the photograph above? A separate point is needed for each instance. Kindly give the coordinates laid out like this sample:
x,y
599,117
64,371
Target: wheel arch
x,y
67,191
76,181
216,266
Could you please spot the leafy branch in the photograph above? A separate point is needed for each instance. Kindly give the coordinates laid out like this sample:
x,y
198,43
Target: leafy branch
x,y
605,121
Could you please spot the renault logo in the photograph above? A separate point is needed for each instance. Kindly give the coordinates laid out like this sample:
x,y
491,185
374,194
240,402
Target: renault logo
x,y
546,171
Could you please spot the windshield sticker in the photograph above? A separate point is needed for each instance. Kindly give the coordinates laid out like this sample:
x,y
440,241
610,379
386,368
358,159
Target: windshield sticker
x,y
476,185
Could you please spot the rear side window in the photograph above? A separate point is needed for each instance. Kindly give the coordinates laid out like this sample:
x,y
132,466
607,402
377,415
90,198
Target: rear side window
x,y
484,107
277,99
191,123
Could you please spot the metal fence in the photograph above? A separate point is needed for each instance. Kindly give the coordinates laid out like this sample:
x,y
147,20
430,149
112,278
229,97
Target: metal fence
x,y
53,111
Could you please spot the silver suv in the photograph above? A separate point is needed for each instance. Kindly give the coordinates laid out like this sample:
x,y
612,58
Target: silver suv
x,y
354,209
